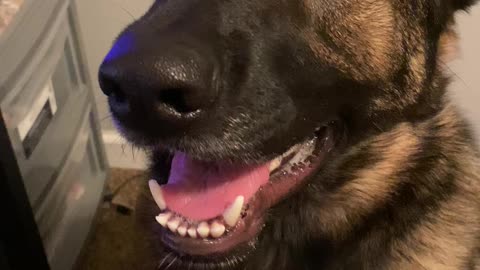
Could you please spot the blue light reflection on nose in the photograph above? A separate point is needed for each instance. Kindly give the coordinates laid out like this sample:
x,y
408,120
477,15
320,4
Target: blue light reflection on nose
x,y
122,46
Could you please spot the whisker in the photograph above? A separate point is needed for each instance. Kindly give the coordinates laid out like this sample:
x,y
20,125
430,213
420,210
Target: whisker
x,y
454,74
163,260
120,6
103,119
171,263
123,148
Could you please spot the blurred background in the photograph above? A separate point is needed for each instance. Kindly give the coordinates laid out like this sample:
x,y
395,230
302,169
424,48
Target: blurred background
x,y
50,51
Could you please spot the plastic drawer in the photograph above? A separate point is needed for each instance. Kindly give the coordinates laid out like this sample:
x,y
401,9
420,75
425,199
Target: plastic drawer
x,y
65,215
35,23
56,70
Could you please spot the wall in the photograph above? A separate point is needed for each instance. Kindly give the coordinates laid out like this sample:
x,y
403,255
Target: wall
x,y
466,68
101,21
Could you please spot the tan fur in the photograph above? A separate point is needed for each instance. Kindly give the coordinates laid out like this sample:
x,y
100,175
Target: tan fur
x,y
363,29
446,241
448,46
373,185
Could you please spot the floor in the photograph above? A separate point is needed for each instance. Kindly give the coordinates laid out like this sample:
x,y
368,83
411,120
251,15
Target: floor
x,y
116,242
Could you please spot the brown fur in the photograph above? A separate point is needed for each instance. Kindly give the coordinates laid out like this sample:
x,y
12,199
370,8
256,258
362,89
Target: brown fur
x,y
357,29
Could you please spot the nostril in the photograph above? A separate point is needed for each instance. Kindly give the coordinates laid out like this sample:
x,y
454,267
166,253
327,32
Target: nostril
x,y
118,95
176,99
112,89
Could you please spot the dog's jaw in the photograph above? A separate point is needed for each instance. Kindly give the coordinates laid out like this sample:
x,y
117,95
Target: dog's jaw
x,y
222,237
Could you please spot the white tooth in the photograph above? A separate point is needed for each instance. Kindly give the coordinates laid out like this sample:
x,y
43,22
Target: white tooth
x,y
232,213
163,218
173,224
217,229
192,232
274,164
292,150
203,229
182,230
157,194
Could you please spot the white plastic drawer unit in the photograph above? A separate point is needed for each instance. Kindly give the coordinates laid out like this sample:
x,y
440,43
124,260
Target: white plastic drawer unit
x,y
47,106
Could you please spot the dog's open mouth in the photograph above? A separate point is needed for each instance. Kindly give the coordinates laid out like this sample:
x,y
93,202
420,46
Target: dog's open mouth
x,y
211,208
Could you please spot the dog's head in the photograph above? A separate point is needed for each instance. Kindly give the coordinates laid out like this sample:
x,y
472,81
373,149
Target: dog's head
x,y
248,107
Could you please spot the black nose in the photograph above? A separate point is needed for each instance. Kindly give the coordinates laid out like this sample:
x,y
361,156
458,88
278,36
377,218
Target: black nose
x,y
157,84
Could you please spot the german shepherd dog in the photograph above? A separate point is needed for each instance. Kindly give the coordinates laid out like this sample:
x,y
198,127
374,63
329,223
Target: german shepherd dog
x,y
298,134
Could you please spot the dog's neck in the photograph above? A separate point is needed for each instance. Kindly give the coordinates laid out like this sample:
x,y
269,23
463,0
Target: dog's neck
x,y
375,196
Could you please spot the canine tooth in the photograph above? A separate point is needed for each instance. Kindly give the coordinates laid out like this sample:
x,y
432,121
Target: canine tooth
x,y
192,232
203,229
182,230
173,224
163,218
217,229
274,164
232,213
157,194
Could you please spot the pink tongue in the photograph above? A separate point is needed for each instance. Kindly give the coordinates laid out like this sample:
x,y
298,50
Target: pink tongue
x,y
201,191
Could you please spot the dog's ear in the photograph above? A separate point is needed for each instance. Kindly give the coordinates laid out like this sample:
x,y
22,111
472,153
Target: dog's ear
x,y
462,4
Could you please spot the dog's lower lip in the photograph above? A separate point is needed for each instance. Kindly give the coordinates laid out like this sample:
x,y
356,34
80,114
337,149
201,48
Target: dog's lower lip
x,y
280,185
240,238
